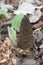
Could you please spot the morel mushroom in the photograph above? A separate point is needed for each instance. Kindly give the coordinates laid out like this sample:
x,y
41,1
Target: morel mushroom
x,y
25,38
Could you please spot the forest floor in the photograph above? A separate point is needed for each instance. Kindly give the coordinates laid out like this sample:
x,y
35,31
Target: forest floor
x,y
10,55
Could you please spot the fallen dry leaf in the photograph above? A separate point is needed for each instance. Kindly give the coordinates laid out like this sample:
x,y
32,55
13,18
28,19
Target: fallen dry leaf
x,y
6,55
37,25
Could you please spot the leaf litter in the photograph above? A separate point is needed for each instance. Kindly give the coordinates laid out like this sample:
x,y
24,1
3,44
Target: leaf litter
x,y
10,55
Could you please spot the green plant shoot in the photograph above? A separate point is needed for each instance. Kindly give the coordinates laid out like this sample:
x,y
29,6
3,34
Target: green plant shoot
x,y
12,35
16,22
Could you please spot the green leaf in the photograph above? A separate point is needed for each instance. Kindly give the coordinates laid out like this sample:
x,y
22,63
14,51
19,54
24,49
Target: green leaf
x,y
16,22
3,11
12,35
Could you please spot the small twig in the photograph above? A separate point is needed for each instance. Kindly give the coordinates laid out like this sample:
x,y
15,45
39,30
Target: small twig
x,y
6,23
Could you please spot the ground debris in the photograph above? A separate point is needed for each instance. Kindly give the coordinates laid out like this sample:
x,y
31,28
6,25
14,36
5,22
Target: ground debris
x,y
10,55
6,56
